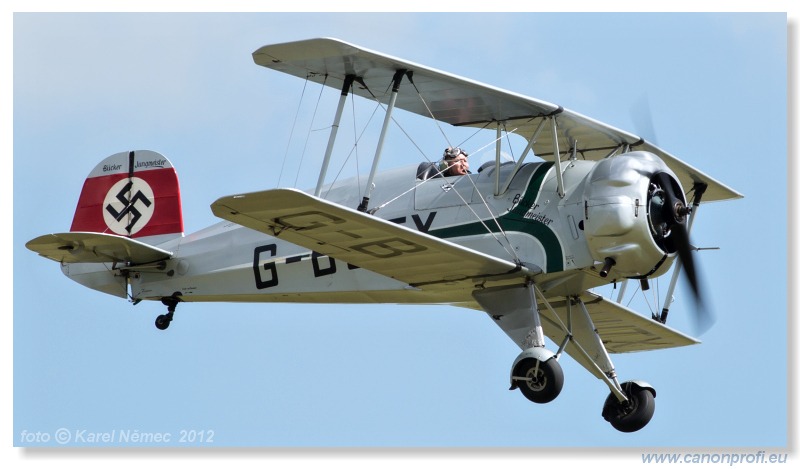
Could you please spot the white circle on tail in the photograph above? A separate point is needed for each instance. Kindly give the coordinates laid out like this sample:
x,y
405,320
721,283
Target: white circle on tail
x,y
128,206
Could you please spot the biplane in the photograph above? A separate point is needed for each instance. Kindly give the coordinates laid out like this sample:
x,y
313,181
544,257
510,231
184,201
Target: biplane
x,y
526,241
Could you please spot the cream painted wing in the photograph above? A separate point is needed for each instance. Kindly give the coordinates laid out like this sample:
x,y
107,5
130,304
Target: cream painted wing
x,y
463,102
362,240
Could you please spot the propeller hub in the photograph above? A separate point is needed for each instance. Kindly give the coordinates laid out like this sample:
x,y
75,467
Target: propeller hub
x,y
680,210
667,211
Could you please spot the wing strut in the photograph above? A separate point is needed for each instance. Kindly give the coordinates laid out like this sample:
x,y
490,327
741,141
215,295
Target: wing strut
x,y
398,76
557,158
497,148
525,152
586,345
348,82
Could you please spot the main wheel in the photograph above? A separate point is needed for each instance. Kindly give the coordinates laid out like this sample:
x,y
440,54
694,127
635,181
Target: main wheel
x,y
633,415
539,381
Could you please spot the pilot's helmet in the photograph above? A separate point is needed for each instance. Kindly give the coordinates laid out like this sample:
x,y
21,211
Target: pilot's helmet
x,y
453,152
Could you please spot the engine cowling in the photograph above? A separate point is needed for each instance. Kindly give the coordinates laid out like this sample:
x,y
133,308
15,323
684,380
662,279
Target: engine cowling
x,y
632,201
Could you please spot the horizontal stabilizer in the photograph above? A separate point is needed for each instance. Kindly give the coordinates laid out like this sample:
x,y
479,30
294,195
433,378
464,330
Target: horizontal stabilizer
x,y
360,239
75,247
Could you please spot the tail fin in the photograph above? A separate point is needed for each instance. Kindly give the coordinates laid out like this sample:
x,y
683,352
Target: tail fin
x,y
133,194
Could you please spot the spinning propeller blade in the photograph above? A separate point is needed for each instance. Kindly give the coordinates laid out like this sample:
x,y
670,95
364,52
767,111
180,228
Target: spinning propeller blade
x,y
677,212
643,119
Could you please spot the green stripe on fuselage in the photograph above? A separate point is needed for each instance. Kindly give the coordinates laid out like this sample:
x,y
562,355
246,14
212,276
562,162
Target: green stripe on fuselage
x,y
515,221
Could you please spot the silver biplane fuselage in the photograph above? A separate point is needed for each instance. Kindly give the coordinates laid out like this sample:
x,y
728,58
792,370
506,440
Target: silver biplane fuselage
x,y
539,229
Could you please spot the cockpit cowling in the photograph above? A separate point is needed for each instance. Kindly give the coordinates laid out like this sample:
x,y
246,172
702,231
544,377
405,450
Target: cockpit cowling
x,y
628,217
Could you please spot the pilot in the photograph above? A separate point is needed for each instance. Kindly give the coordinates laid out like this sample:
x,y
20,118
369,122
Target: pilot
x,y
456,161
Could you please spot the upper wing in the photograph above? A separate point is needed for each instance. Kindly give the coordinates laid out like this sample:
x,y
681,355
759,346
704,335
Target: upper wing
x,y
463,102
360,239
75,247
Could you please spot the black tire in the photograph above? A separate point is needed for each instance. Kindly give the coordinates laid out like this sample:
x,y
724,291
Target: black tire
x,y
633,415
162,322
544,382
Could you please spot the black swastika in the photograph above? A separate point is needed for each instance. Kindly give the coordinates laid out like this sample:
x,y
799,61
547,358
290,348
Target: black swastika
x,y
129,206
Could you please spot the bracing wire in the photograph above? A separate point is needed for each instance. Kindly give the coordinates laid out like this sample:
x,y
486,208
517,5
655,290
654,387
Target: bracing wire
x,y
496,222
291,133
310,126
357,137
633,295
655,306
507,245
474,134
508,141
430,113
494,218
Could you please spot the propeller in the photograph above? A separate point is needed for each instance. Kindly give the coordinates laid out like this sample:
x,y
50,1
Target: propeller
x,y
672,222
643,119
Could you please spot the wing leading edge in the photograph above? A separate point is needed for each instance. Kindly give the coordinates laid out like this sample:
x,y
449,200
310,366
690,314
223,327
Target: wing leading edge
x,y
362,240
463,102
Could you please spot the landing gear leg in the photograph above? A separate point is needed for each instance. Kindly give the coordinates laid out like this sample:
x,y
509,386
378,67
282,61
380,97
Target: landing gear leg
x,y
630,405
163,320
536,371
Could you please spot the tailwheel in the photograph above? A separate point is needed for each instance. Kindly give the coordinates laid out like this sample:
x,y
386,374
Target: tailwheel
x,y
539,381
163,320
171,302
635,413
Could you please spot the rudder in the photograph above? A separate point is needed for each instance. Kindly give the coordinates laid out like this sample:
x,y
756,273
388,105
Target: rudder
x,y
133,194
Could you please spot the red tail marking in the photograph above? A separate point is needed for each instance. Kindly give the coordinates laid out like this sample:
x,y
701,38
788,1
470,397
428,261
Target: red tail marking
x,y
166,218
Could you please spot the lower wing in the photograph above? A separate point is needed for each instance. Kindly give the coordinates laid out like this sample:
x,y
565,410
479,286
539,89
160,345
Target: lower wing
x,y
363,240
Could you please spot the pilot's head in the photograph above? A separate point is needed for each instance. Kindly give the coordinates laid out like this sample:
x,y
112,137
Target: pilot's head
x,y
456,159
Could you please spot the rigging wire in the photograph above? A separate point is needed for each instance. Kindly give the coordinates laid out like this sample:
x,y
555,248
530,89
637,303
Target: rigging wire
x,y
474,134
430,113
508,141
633,295
291,133
655,293
357,138
437,122
507,245
496,221
310,125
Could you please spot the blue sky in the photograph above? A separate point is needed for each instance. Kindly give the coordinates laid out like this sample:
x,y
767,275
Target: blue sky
x,y
264,375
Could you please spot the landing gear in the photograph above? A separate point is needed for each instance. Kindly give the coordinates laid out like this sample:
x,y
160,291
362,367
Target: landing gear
x,y
631,415
539,381
163,320
536,371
